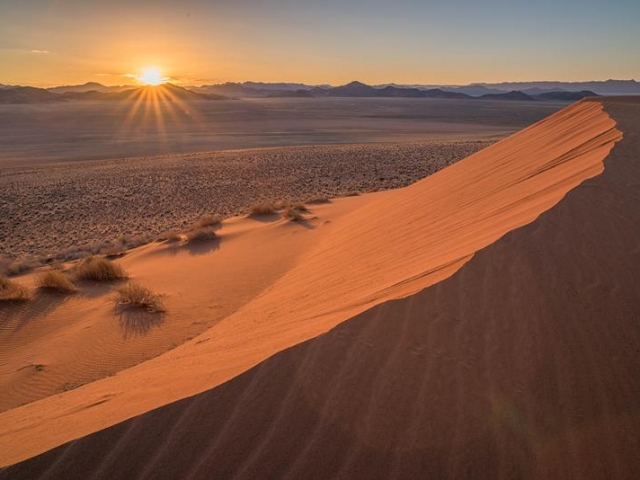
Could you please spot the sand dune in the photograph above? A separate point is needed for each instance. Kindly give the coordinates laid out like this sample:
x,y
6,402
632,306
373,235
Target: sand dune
x,y
56,343
486,373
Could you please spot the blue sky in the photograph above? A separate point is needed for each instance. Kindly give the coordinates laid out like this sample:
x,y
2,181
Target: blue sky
x,y
404,41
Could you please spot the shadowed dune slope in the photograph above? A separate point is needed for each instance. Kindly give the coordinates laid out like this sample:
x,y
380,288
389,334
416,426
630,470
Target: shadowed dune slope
x,y
473,375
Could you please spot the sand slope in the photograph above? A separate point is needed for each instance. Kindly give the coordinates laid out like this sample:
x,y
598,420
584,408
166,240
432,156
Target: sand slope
x,y
392,247
56,343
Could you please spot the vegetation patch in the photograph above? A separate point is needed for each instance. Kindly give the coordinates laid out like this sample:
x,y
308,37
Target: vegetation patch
x,y
136,296
209,221
11,291
205,234
55,281
318,200
263,208
170,237
295,213
99,270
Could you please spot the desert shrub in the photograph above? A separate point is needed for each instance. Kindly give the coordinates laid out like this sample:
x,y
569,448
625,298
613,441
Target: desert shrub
x,y
135,295
282,204
263,208
170,237
300,207
294,213
132,241
11,291
114,252
11,267
201,235
98,269
209,221
56,281
70,254
318,200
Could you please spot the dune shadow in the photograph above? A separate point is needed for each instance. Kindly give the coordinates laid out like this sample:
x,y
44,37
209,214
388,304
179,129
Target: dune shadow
x,y
265,218
136,321
22,313
306,223
201,247
91,289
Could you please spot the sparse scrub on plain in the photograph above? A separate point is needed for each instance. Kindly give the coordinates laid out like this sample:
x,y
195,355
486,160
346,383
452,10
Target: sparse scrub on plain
x,y
282,204
99,270
170,237
135,295
114,252
55,281
209,221
301,207
16,267
78,236
11,291
132,241
206,234
263,208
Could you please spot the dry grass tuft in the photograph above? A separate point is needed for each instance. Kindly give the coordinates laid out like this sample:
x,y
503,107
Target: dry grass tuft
x,y
206,234
263,208
98,269
170,237
56,281
295,212
135,295
301,207
209,221
11,291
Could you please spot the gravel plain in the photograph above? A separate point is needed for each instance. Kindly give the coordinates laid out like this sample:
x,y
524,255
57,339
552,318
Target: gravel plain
x,y
60,210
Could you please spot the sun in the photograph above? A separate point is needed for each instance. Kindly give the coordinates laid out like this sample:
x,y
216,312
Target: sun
x,y
151,76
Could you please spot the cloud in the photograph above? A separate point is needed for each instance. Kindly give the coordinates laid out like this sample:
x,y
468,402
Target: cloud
x,y
41,52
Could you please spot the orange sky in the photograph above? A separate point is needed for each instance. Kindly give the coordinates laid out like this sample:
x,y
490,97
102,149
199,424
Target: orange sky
x,y
51,42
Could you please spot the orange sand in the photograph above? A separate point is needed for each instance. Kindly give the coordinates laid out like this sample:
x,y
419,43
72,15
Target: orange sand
x,y
374,249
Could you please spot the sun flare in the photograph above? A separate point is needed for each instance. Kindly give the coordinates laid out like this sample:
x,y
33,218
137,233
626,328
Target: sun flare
x,y
151,76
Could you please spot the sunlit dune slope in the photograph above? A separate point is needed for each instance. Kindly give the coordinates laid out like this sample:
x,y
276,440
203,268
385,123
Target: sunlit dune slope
x,y
394,246
55,342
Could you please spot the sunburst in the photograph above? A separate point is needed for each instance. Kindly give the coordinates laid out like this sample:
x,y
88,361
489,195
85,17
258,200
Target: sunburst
x,y
151,76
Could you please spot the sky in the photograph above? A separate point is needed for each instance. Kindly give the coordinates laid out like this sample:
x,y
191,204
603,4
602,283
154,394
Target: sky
x,y
194,42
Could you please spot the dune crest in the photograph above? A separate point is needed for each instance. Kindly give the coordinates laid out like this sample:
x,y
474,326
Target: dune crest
x,y
394,246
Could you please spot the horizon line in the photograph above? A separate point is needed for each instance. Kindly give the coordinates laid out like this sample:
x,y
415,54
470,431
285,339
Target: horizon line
x,y
239,82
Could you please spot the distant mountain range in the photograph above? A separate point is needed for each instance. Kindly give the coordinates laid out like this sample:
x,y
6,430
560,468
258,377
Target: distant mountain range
x,y
361,90
607,87
98,92
90,86
525,91
166,91
26,95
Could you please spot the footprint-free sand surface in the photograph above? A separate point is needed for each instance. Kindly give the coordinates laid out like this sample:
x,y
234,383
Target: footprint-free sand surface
x,y
480,323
